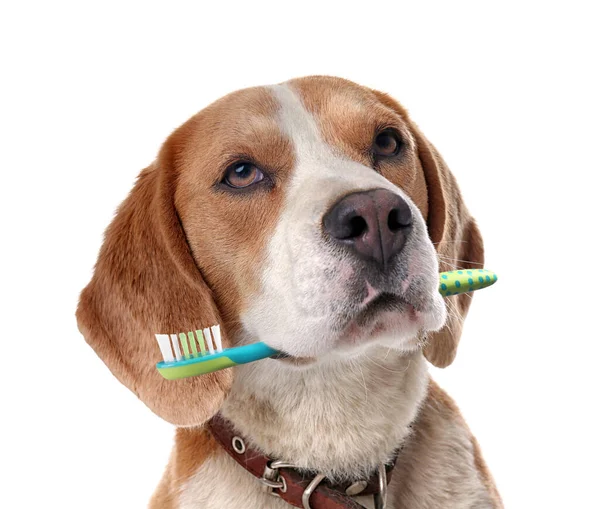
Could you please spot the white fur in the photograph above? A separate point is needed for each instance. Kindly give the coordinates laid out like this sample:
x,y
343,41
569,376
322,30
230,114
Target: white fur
x,y
341,417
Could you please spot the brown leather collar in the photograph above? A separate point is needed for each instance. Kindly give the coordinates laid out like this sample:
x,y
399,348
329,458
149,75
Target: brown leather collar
x,y
288,483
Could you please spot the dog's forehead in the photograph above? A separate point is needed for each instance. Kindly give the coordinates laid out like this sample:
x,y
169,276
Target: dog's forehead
x,y
328,96
347,113
261,121
320,95
342,115
245,115
240,125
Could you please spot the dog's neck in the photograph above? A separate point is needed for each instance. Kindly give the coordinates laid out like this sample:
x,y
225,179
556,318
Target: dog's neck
x,y
340,417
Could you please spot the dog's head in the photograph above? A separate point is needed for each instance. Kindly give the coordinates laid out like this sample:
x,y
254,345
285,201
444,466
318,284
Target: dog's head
x,y
309,215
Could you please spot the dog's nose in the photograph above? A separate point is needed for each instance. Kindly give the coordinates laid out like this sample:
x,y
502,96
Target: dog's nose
x,y
374,224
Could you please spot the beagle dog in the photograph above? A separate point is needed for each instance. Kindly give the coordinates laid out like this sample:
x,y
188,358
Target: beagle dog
x,y
312,215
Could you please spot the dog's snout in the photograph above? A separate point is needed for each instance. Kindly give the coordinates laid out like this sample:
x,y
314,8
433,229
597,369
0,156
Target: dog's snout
x,y
374,224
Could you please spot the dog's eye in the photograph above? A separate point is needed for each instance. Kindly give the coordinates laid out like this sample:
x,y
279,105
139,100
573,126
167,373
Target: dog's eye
x,y
242,175
387,144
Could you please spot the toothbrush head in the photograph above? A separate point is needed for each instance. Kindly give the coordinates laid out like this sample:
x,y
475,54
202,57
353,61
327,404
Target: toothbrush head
x,y
198,352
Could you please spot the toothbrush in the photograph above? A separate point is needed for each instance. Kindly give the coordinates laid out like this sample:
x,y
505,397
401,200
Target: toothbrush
x,y
198,352
204,354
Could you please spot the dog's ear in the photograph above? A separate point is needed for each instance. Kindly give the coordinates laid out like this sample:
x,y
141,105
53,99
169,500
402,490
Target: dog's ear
x,y
453,232
146,282
457,241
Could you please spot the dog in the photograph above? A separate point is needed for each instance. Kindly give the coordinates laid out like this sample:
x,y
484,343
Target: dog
x,y
315,216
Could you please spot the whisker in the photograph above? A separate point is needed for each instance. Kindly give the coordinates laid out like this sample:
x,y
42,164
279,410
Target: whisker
x,y
452,310
451,265
450,242
454,315
458,260
387,353
423,339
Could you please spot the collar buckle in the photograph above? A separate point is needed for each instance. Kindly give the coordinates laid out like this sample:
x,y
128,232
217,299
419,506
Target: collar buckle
x,y
312,486
380,497
272,480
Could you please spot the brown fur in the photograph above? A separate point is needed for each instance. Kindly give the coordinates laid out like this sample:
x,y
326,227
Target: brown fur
x,y
146,282
485,474
440,432
192,447
226,233
168,238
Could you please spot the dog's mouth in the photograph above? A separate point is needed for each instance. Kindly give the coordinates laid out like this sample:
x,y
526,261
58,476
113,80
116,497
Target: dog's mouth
x,y
383,302
373,318
388,313
377,315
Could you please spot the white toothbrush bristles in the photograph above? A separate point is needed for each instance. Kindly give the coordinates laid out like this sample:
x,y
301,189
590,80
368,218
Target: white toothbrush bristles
x,y
176,349
208,339
164,343
216,332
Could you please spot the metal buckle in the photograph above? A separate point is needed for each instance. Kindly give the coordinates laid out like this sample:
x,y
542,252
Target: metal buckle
x,y
272,480
380,498
309,490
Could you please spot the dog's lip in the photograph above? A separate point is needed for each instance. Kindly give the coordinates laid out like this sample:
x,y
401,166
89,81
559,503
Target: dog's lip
x,y
385,301
372,319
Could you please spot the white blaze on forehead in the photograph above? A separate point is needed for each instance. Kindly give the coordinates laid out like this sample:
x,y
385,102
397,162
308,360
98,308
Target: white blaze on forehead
x,y
317,160
297,122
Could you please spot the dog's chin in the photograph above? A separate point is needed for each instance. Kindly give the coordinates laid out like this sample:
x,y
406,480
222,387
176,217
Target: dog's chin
x,y
400,333
390,322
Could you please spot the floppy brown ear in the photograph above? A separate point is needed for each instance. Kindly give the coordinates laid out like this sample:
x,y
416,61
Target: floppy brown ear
x,y
146,282
454,234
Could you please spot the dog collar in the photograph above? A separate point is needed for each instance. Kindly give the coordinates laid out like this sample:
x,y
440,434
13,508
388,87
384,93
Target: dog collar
x,y
298,489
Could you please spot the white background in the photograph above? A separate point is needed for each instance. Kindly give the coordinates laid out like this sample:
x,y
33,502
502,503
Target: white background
x,y
509,94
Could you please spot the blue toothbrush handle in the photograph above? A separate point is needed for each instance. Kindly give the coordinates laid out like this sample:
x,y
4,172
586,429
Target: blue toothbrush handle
x,y
250,353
